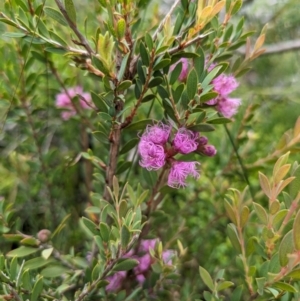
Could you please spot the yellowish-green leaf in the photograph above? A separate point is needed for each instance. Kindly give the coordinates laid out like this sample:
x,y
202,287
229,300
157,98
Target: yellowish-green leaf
x,y
286,247
244,216
285,287
265,184
297,128
22,252
281,173
230,212
205,276
296,228
37,289
47,253
261,213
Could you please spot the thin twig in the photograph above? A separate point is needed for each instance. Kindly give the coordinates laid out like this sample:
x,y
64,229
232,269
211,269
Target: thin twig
x,y
73,26
244,170
14,293
162,23
184,45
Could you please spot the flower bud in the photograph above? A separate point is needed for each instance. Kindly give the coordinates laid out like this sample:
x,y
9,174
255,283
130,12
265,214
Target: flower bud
x,y
209,150
202,140
44,235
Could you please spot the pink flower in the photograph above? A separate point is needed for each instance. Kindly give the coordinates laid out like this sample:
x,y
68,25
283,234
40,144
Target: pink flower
x,y
184,70
225,84
64,100
180,171
158,133
228,106
115,281
185,141
147,244
153,155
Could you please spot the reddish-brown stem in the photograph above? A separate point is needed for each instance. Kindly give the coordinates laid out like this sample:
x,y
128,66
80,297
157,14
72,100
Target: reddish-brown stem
x,y
73,26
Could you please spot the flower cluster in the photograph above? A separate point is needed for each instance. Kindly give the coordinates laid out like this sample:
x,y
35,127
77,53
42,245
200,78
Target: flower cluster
x,y
157,149
64,100
141,270
224,85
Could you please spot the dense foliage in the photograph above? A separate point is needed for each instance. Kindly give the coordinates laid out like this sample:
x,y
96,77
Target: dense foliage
x,y
141,157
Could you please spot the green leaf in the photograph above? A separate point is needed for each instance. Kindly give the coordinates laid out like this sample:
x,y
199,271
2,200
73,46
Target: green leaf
x,y
56,15
123,66
236,7
139,125
60,226
36,263
174,74
199,62
295,275
121,28
26,280
221,120
233,236
296,228
123,167
125,236
224,285
124,85
278,218
116,188
13,268
142,197
156,81
261,213
37,289
100,136
55,50
12,237
70,8
230,212
208,96
210,76
285,287
148,40
125,264
244,215
54,271
260,285
14,35
99,102
202,127
286,247
237,293
22,252
129,145
104,231
148,98
30,241
162,64
192,84
177,93
91,226
205,276
144,55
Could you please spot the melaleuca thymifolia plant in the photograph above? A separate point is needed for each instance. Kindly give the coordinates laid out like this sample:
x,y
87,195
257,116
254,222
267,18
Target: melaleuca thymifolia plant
x,y
160,84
